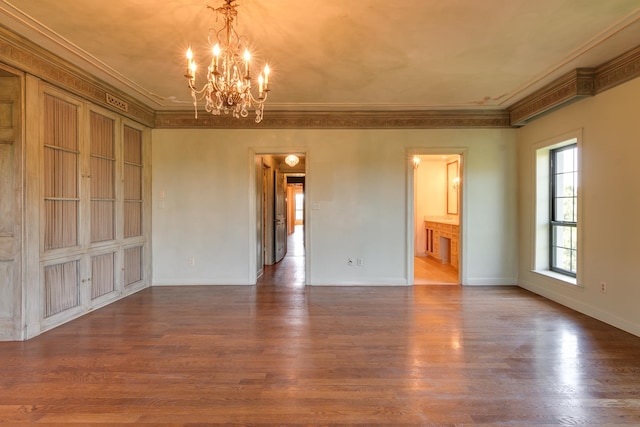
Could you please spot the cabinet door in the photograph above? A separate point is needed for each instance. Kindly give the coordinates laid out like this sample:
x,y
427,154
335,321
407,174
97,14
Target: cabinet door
x,y
103,247
10,208
61,189
132,152
62,272
102,172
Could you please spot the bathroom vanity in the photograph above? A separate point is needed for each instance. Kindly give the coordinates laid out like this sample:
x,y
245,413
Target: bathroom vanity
x,y
442,239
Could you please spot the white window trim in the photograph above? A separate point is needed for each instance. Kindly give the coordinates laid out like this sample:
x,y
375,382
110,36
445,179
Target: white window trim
x,y
541,214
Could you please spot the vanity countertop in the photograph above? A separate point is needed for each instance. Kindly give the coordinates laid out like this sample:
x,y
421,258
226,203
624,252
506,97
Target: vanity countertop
x,y
442,219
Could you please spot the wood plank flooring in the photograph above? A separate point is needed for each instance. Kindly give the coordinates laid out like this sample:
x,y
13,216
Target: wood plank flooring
x,y
281,353
429,271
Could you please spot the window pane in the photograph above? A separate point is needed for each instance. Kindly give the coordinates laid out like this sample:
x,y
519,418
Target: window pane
x,y
566,160
565,245
565,209
565,184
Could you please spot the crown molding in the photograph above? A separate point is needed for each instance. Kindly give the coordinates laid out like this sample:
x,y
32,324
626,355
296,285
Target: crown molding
x,y
574,85
24,55
577,84
618,70
445,119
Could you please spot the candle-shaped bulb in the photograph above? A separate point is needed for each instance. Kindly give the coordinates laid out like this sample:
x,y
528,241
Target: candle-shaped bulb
x,y
189,63
267,70
247,58
216,55
260,84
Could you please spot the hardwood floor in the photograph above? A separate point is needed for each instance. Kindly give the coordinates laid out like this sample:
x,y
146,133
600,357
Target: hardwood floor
x,y
428,271
282,353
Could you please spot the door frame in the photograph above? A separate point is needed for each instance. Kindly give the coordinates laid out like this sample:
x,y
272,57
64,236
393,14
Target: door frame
x,y
253,209
410,211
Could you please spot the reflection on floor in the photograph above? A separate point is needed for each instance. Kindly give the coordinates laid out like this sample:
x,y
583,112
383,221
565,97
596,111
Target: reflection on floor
x,y
289,271
428,271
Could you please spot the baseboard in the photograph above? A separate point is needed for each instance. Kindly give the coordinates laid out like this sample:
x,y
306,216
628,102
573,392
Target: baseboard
x,y
584,308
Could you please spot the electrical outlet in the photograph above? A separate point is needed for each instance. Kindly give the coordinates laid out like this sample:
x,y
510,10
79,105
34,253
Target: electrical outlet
x,y
192,262
603,287
359,262
350,262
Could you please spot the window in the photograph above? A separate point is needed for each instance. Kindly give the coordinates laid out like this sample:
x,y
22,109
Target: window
x,y
556,178
563,218
299,206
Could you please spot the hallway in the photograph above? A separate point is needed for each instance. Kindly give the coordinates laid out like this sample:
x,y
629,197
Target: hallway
x,y
289,272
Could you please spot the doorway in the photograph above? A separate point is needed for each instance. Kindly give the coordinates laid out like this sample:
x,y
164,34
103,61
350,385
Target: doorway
x,y
280,215
437,209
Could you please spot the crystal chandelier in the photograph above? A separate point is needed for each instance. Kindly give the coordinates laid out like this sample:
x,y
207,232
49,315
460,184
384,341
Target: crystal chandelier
x,y
291,160
228,77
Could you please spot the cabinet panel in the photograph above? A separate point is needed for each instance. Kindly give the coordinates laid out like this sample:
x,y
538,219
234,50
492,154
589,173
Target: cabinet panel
x,y
133,265
102,173
60,173
7,172
132,181
62,287
436,231
103,274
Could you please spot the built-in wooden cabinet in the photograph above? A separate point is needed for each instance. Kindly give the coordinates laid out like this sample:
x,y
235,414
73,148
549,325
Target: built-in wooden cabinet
x,y
90,211
75,191
442,241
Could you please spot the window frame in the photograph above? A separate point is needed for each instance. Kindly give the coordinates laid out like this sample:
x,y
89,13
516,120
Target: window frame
x,y
541,211
554,223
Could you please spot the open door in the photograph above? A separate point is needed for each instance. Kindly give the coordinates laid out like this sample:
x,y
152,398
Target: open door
x,y
437,183
273,199
280,217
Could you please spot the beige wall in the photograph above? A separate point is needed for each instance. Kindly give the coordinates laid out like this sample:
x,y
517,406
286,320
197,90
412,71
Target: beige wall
x,y
357,195
609,232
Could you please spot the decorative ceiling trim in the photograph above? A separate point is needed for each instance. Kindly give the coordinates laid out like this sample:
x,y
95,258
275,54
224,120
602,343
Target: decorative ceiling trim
x,y
574,85
446,119
577,84
22,54
619,70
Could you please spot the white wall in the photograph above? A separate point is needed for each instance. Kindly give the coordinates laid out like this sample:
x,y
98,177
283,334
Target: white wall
x,y
609,230
357,200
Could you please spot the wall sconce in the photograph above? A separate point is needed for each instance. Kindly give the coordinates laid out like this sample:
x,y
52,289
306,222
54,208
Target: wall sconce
x,y
416,162
291,160
456,183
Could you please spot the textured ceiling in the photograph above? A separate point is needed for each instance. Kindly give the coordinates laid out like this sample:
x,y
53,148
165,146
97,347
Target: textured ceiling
x,y
341,54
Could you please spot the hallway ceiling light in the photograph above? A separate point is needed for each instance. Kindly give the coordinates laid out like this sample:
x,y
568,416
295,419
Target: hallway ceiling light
x,y
228,78
416,162
291,160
